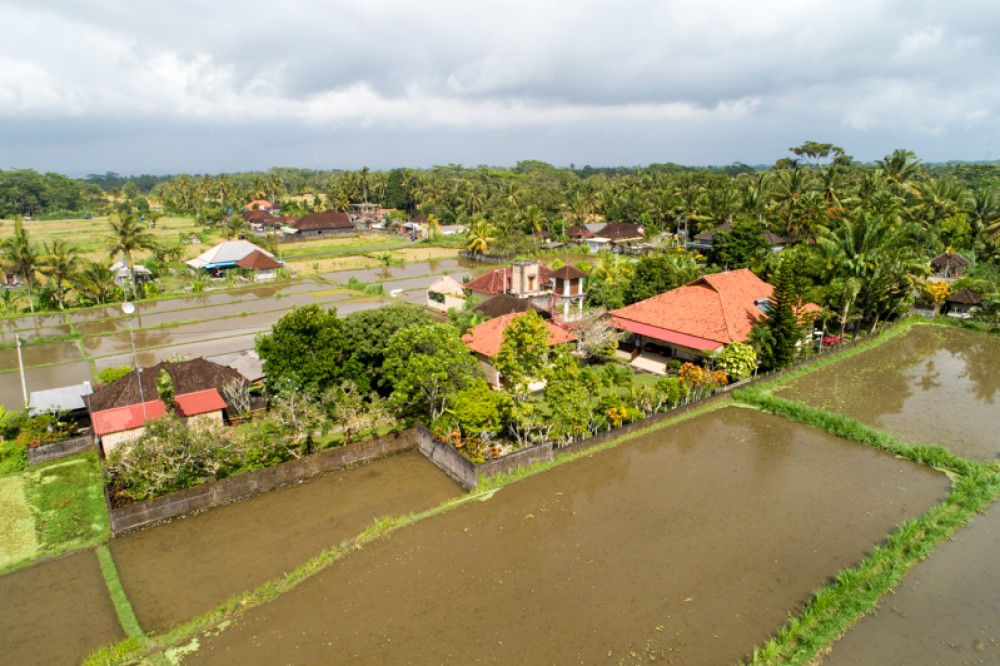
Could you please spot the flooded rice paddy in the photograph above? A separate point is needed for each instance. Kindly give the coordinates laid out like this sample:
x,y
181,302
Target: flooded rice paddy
x,y
930,385
946,611
176,571
691,544
56,612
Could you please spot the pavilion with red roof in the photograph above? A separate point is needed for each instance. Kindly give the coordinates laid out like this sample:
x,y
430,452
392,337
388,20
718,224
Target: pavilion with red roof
x,y
693,321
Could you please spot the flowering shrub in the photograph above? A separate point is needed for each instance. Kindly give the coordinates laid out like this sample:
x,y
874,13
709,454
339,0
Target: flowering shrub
x,y
43,429
831,340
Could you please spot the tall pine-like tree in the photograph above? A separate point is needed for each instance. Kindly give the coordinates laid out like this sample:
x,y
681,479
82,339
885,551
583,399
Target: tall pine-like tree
x,y
782,331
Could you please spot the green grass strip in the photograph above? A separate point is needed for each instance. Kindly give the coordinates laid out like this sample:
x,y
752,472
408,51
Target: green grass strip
x,y
811,364
842,426
123,607
856,591
131,650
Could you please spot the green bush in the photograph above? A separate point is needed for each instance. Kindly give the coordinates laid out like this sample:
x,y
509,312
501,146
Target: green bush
x,y
110,375
13,457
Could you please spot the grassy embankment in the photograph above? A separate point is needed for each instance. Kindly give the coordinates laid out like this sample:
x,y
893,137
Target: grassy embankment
x,y
184,636
855,592
57,507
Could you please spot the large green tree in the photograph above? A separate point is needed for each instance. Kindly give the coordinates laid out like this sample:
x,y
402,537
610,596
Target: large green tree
x,y
524,355
308,349
424,365
780,332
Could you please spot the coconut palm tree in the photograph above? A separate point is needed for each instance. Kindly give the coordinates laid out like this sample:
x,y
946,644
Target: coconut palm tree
x,y
21,256
480,236
59,263
94,282
127,236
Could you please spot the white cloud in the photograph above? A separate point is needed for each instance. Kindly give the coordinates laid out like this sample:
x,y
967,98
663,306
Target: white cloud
x,y
570,69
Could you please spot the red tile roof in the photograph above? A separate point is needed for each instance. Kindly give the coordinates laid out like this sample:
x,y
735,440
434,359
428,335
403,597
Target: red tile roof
x,y
258,261
498,280
719,307
487,338
199,402
129,417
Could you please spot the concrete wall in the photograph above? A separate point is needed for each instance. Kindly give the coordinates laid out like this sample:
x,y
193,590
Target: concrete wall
x,y
56,450
199,498
447,458
467,473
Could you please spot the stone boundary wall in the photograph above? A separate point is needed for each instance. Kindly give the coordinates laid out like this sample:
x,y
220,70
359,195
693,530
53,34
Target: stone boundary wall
x,y
56,450
468,474
447,458
224,491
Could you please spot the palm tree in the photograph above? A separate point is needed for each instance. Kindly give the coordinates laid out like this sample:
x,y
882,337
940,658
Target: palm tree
x,y
480,236
612,269
901,168
20,255
983,214
59,264
94,282
127,236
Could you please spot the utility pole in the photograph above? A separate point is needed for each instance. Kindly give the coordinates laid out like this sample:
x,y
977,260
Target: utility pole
x,y
20,365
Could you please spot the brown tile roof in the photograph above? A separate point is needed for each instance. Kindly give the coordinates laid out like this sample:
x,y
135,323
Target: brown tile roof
x,y
330,219
619,231
487,338
568,272
503,304
258,261
706,237
965,297
257,215
719,307
189,376
950,259
498,280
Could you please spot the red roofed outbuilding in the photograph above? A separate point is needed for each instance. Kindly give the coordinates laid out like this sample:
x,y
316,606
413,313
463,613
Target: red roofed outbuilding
x,y
486,339
693,321
115,426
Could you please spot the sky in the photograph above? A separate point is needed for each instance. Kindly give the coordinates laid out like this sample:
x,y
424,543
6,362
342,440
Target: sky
x,y
89,86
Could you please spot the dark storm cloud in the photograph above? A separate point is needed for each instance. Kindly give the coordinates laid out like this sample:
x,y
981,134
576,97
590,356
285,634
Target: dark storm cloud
x,y
204,86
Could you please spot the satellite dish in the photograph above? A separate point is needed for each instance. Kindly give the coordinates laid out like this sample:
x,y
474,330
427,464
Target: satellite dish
x,y
128,308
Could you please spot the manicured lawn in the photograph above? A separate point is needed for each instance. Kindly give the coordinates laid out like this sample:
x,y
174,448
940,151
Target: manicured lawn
x,y
18,540
52,509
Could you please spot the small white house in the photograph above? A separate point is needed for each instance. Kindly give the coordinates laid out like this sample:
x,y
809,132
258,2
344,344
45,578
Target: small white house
x,y
444,293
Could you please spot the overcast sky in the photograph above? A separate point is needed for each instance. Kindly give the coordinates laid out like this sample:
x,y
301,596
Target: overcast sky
x,y
88,86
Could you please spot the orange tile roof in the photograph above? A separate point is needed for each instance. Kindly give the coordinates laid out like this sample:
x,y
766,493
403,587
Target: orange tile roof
x,y
129,417
719,307
487,338
199,402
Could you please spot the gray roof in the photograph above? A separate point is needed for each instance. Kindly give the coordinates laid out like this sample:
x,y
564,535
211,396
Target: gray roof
x,y
63,399
245,362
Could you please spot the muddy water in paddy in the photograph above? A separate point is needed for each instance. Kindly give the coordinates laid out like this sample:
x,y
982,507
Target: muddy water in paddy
x,y
931,385
41,354
947,610
56,612
41,378
692,544
175,571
